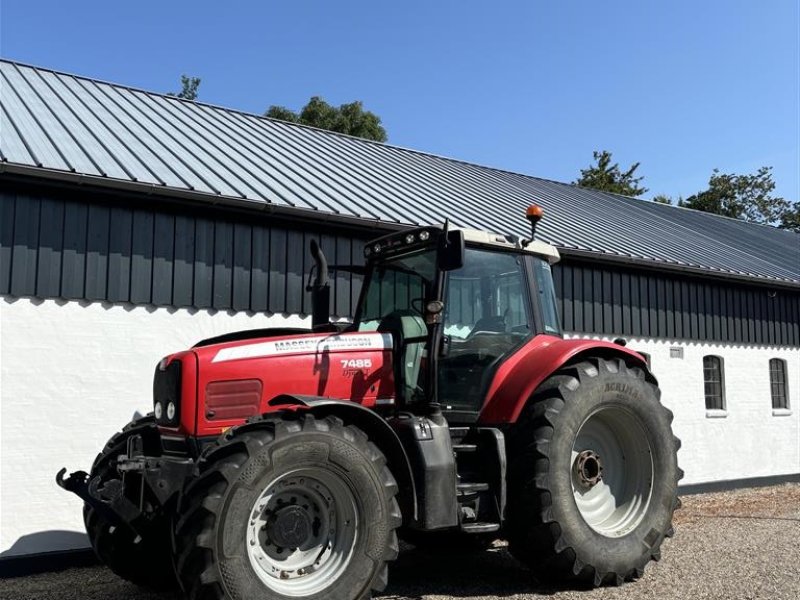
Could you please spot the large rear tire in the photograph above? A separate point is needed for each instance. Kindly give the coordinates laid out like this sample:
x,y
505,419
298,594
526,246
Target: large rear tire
x,y
288,507
593,475
146,562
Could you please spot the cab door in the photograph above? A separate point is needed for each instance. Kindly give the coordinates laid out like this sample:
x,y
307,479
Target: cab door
x,y
487,317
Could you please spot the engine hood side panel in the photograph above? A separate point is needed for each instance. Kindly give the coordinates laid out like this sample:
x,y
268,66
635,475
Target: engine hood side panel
x,y
348,366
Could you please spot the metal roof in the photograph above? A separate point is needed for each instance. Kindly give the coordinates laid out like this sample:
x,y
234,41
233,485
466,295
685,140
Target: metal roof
x,y
74,128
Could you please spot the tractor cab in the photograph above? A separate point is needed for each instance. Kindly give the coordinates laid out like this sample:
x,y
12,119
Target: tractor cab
x,y
457,302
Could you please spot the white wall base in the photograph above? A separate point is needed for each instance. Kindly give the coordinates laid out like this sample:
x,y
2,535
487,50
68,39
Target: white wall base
x,y
72,373
746,440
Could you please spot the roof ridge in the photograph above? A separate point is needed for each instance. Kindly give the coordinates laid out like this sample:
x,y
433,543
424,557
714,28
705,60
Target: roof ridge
x,y
274,120
366,141
257,158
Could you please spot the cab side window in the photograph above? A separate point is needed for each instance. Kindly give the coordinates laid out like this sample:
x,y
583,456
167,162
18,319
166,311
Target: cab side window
x,y
486,317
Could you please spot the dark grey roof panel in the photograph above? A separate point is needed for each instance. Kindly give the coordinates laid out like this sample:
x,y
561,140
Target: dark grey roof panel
x,y
120,135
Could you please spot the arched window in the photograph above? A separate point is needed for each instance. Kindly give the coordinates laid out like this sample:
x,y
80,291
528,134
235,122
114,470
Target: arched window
x,y
714,380
777,382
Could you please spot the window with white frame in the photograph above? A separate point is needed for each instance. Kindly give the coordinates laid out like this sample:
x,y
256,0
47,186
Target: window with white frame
x,y
714,382
777,382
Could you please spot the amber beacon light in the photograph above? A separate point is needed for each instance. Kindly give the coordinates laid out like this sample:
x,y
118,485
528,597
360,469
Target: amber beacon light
x,y
534,214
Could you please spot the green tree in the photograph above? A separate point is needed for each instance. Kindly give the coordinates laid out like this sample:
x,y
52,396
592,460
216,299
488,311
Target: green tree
x,y
748,197
189,87
791,218
608,177
350,118
663,199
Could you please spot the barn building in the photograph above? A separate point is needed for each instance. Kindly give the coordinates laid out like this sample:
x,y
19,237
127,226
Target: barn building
x,y
133,224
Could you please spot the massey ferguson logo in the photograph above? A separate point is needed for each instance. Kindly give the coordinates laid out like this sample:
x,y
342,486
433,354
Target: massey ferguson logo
x,y
313,345
295,345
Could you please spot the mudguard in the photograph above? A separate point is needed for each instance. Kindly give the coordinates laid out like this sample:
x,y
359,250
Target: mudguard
x,y
518,377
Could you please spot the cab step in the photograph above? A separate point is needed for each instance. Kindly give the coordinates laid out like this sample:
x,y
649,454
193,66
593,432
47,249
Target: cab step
x,y
471,487
480,527
463,448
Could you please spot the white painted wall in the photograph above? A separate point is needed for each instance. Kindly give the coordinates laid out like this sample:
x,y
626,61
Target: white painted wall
x,y
73,373
748,440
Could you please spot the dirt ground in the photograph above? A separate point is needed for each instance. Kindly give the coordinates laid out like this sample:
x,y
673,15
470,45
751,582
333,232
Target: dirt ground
x,y
742,544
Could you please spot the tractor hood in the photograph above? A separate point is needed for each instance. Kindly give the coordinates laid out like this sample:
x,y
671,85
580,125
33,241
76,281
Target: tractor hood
x,y
236,379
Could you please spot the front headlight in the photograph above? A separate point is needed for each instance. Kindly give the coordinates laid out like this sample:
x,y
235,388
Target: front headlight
x,y
167,392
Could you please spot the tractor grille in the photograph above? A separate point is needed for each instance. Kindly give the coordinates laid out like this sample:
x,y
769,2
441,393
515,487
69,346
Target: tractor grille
x,y
166,390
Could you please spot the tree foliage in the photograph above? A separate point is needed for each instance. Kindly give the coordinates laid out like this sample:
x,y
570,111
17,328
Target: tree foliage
x,y
189,87
662,199
791,218
748,197
350,119
608,177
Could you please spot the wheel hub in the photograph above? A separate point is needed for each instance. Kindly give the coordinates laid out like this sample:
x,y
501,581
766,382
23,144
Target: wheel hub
x,y
588,468
290,527
301,531
613,494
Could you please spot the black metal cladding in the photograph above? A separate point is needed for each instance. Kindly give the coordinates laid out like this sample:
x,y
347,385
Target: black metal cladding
x,y
61,248
57,247
639,303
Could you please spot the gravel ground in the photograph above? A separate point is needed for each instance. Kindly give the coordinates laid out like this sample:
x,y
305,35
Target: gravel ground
x,y
732,545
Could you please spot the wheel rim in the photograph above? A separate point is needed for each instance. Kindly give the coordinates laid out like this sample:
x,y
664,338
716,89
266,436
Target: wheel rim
x,y
612,471
302,531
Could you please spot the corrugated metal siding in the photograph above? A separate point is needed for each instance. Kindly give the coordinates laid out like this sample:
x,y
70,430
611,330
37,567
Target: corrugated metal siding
x,y
53,247
67,124
637,303
57,248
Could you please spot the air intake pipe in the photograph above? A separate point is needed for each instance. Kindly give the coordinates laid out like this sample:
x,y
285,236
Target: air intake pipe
x,y
320,289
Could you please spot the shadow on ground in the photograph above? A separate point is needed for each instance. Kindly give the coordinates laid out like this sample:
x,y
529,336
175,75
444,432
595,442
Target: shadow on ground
x,y
494,572
413,576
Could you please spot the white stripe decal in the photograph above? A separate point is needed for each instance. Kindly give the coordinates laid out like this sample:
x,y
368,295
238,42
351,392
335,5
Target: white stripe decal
x,y
314,345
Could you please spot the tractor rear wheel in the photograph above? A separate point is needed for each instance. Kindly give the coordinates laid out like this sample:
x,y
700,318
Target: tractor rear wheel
x,y
593,474
147,562
288,507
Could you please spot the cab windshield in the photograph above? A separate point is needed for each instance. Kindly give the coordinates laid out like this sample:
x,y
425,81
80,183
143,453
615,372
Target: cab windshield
x,y
403,284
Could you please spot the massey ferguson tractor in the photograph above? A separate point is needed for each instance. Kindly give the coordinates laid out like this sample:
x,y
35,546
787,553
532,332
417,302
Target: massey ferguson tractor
x,y
285,463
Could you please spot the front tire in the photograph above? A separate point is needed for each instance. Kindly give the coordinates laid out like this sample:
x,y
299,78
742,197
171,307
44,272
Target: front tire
x,y
146,562
593,475
288,507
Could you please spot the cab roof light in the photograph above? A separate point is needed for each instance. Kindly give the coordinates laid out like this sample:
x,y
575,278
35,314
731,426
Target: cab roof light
x,y
534,214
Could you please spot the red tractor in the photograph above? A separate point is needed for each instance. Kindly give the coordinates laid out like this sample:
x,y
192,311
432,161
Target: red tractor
x,y
284,463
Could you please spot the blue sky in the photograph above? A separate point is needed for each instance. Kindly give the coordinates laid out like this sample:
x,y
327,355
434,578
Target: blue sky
x,y
528,86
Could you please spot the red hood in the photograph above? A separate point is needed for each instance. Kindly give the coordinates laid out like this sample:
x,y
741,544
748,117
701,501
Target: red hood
x,y
235,380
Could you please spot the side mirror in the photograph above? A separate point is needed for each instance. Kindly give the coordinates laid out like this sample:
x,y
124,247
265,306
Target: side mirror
x,y
450,251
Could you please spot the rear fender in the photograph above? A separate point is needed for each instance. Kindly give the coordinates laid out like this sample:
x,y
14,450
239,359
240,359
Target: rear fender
x,y
522,373
378,431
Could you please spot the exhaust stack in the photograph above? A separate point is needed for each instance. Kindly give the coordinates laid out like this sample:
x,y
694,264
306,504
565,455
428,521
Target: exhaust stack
x,y
320,289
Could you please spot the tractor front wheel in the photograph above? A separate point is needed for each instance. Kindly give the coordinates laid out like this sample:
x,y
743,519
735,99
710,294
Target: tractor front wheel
x,y
144,561
593,476
288,507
